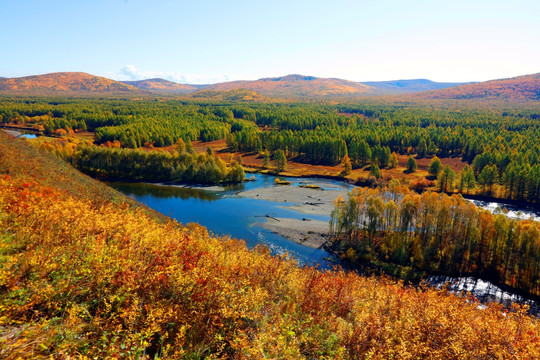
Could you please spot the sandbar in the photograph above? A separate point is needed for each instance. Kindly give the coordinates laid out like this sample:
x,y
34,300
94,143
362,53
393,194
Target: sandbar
x,y
306,231
312,233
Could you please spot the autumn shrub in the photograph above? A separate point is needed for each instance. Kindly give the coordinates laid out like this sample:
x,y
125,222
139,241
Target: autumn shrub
x,y
421,184
369,181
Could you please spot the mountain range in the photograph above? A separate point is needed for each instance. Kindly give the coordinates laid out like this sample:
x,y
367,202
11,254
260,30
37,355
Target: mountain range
x,y
522,88
297,86
409,86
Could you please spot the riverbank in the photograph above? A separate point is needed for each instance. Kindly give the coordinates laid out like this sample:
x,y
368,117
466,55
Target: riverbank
x,y
309,201
215,188
13,133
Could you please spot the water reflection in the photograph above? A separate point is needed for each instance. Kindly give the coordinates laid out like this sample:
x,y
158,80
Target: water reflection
x,y
163,191
483,290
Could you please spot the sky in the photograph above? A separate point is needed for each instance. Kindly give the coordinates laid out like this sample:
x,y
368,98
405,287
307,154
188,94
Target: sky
x,y
213,41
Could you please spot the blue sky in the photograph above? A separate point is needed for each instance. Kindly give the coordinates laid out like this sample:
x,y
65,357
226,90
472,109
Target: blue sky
x,y
209,41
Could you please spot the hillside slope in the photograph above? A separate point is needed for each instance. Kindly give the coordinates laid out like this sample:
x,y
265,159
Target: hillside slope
x,y
525,88
65,82
297,86
162,85
81,277
20,160
242,95
407,86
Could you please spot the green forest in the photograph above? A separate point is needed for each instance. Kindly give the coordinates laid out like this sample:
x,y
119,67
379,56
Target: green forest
x,y
186,167
501,144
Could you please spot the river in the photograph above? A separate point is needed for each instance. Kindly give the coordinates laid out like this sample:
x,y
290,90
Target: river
x,y
21,134
225,212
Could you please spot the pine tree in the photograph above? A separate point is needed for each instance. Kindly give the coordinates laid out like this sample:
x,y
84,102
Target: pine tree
x,y
375,171
488,176
446,179
393,160
364,152
466,179
266,159
435,167
421,150
280,160
411,165
180,145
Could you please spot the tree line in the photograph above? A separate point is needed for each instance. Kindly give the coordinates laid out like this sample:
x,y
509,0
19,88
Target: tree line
x,y
187,167
183,165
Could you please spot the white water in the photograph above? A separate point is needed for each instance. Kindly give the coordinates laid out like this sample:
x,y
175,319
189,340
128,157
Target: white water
x,y
483,290
512,211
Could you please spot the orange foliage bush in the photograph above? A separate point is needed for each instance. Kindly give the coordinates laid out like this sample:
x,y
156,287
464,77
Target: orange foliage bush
x,y
421,184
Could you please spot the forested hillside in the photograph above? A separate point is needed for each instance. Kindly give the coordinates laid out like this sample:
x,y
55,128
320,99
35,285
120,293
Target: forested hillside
x,y
520,89
65,82
294,86
408,86
87,274
161,85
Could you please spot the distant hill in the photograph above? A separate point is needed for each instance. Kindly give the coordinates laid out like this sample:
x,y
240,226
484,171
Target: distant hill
x,y
297,86
311,86
64,82
408,86
162,85
524,88
230,95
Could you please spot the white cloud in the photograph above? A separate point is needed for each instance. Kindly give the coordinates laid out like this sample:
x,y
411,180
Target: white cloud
x,y
131,72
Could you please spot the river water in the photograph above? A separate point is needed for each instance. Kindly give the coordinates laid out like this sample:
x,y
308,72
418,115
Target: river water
x,y
24,134
510,210
225,213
